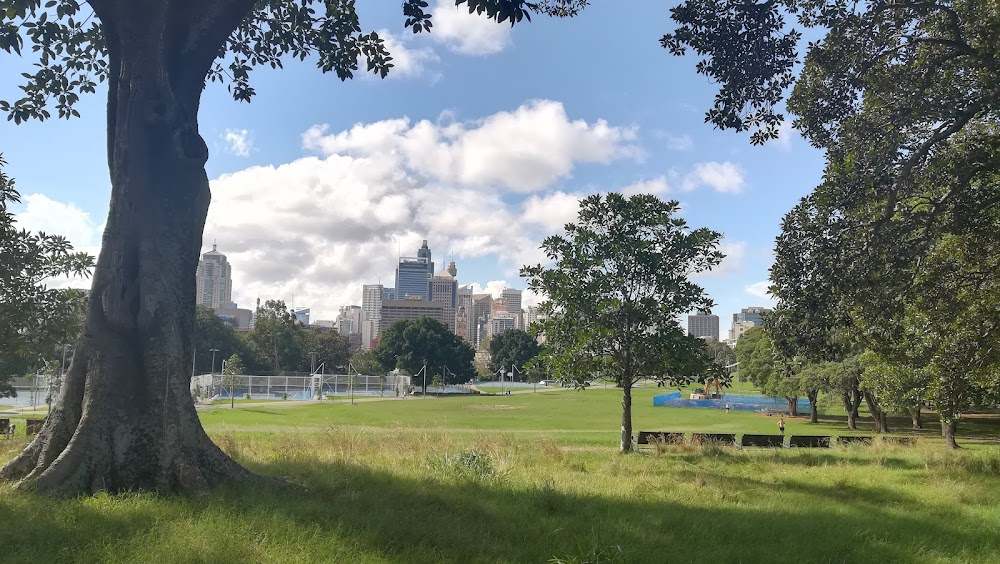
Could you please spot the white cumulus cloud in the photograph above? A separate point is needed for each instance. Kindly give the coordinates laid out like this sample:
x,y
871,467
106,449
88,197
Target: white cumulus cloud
x,y
735,252
39,213
238,142
760,290
523,150
469,34
407,61
726,177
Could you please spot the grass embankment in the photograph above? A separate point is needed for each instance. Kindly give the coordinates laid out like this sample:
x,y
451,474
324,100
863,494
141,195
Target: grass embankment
x,y
548,483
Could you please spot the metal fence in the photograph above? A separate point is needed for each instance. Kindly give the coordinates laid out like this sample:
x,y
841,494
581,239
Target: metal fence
x,y
32,391
208,387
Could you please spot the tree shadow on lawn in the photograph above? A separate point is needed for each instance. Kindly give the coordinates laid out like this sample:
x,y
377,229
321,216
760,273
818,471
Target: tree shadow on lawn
x,y
394,518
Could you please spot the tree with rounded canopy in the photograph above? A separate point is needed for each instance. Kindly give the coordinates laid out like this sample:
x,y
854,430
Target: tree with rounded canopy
x,y
618,282
513,347
124,419
411,345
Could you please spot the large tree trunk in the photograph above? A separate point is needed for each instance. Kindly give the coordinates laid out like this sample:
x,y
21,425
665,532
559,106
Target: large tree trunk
x,y
915,418
881,418
948,429
125,419
852,419
626,442
793,406
813,411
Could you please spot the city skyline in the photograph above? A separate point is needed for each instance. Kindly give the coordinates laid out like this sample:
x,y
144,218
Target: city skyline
x,y
448,148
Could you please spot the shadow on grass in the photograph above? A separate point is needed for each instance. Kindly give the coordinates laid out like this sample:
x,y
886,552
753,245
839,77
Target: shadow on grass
x,y
356,513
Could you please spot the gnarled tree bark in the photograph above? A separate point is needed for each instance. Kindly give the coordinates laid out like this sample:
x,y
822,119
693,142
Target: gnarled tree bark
x,y
124,419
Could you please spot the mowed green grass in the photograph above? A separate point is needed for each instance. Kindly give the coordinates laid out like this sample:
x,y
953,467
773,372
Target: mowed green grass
x,y
372,488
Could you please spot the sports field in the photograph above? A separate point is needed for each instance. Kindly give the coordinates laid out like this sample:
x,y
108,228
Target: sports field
x,y
529,478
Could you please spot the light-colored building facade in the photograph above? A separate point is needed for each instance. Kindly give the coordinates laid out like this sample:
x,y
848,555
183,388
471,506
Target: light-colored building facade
x,y
738,329
502,322
512,298
214,280
700,325
444,290
406,310
349,320
301,315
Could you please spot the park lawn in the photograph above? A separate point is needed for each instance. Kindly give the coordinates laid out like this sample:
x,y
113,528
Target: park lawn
x,y
588,417
373,487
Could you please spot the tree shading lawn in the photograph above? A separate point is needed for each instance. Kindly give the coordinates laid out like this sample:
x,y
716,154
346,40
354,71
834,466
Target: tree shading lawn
x,y
375,490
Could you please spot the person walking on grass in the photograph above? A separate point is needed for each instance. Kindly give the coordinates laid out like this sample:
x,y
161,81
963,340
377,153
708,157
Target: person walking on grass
x,y
781,425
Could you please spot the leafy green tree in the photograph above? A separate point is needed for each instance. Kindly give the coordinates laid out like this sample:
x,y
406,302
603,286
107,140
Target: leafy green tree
x,y
618,283
413,344
211,332
947,329
514,347
35,321
330,347
365,363
277,338
234,366
762,364
157,57
899,389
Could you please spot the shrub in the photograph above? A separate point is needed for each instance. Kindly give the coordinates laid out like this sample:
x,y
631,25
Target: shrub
x,y
469,465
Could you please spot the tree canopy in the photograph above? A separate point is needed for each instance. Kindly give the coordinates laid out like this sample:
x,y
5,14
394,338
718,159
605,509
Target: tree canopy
x,y
513,347
411,345
35,321
619,279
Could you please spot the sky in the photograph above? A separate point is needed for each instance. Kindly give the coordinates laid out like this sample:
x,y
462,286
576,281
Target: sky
x,y
482,140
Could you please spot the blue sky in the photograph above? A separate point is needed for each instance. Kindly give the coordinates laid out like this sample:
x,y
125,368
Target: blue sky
x,y
481,141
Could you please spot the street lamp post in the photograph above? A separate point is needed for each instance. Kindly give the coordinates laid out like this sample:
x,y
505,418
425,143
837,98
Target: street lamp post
x,y
212,368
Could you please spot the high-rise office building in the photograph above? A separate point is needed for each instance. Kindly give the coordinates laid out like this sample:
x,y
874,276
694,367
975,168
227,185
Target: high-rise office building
x,y
372,296
444,290
754,313
349,320
501,322
479,319
388,293
530,316
704,326
737,330
413,275
464,303
399,310
512,298
214,280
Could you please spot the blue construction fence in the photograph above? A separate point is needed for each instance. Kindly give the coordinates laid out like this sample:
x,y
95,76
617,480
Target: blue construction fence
x,y
735,402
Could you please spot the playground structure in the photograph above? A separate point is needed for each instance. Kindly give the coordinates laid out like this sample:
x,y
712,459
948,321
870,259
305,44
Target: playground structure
x,y
734,402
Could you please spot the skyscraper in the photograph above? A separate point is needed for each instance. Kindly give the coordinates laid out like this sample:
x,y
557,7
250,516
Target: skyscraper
x,y
214,280
413,275
372,296
704,326
444,290
753,313
513,299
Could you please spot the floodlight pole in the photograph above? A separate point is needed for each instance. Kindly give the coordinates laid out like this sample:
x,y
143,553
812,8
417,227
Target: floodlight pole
x,y
212,371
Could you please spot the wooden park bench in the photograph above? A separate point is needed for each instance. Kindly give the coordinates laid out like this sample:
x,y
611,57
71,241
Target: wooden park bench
x,y
6,429
845,440
33,426
900,441
714,438
809,441
762,440
659,438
